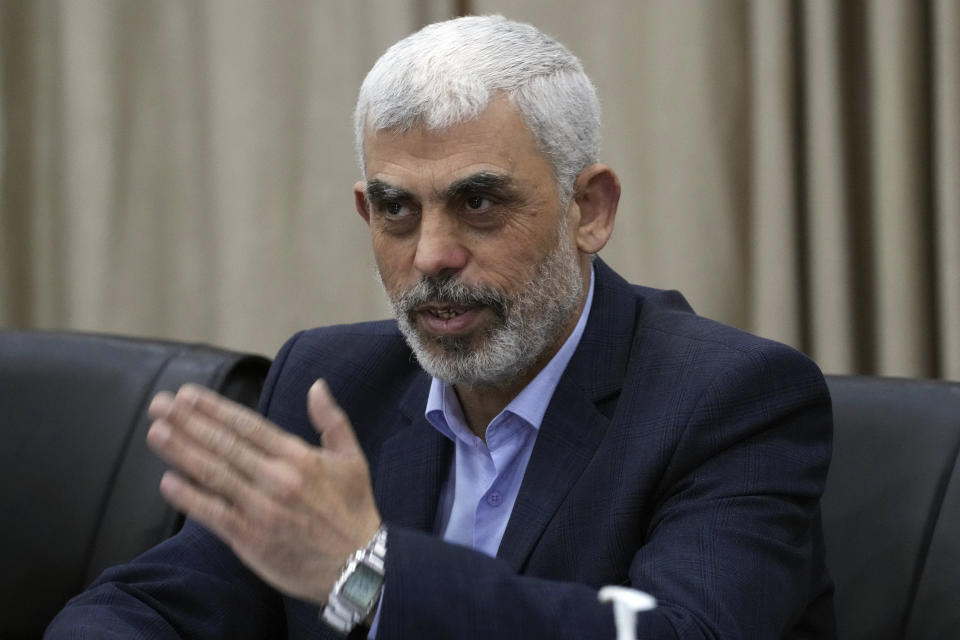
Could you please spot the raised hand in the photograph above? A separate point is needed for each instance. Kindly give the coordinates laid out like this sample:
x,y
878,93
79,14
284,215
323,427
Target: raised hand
x,y
292,512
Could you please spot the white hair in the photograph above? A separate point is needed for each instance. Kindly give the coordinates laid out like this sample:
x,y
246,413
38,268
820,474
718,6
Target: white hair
x,y
446,73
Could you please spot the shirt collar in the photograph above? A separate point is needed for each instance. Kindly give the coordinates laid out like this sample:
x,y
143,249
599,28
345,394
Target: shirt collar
x,y
443,409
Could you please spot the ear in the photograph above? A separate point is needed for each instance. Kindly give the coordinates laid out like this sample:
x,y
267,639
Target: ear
x,y
360,200
596,192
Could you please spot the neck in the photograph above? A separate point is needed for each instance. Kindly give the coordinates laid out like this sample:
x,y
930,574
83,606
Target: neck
x,y
482,403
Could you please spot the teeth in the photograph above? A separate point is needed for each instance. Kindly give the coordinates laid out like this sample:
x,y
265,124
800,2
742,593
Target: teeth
x,y
446,314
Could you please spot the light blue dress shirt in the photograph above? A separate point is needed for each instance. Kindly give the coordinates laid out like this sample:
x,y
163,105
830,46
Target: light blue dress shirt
x,y
482,485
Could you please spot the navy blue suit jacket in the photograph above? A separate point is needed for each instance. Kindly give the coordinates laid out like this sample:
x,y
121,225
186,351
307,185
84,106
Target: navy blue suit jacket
x,y
678,455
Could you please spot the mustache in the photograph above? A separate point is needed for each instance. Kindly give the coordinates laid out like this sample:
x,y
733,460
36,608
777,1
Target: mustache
x,y
450,290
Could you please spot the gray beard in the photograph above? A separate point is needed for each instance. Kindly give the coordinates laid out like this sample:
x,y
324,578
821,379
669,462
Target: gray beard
x,y
527,323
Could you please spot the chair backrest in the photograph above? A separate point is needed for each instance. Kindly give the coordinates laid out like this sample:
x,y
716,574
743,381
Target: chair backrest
x,y
891,509
78,485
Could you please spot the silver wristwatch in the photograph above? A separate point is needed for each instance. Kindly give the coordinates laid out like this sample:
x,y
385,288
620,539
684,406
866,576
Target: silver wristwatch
x,y
357,590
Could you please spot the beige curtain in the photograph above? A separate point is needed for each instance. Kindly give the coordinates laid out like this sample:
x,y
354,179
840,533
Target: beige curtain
x,y
183,169
856,182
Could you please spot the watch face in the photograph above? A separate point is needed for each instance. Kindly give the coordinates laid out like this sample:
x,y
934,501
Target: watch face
x,y
362,586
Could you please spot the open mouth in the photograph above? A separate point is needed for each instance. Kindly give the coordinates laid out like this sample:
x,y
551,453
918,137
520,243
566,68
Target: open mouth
x,y
448,319
445,313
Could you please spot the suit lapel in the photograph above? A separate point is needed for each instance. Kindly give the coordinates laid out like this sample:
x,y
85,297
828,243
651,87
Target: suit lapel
x,y
413,463
559,457
573,425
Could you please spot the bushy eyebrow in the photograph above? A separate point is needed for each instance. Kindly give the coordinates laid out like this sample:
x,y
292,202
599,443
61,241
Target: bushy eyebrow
x,y
495,184
380,191
484,182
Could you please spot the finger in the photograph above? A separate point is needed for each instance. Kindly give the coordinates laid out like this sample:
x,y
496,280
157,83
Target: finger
x,y
222,462
213,436
243,421
211,511
208,470
329,420
161,405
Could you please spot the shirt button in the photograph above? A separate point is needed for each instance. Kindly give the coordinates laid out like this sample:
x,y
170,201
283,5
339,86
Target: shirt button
x,y
494,499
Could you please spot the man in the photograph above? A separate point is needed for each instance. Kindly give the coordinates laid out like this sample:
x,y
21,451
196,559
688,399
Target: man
x,y
530,429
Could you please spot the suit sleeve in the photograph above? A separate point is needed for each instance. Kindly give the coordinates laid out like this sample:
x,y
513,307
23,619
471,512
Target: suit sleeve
x,y
730,550
190,586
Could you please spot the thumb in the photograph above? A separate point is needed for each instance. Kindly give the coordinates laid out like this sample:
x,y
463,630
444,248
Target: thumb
x,y
329,420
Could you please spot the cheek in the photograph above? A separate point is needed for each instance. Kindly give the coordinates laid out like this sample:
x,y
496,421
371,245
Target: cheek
x,y
514,257
507,267
394,259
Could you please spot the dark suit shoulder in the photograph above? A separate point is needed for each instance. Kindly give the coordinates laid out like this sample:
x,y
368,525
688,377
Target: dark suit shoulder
x,y
357,331
667,315
340,349
689,362
372,327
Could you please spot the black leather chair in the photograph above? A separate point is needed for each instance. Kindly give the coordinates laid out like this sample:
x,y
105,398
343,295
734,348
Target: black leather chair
x,y
78,485
891,509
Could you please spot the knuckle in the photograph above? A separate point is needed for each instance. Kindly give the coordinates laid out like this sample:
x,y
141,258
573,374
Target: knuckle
x,y
248,424
220,512
221,441
290,483
215,476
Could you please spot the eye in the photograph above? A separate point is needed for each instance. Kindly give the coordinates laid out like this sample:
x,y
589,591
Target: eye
x,y
395,209
478,203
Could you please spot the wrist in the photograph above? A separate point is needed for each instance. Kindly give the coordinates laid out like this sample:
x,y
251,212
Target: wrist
x,y
356,593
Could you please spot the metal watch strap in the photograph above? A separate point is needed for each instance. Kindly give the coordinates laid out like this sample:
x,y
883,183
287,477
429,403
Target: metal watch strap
x,y
340,614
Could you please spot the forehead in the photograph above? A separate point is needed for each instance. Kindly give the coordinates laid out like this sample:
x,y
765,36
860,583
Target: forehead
x,y
497,141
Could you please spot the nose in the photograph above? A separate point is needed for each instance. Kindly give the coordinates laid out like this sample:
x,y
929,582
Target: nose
x,y
440,248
